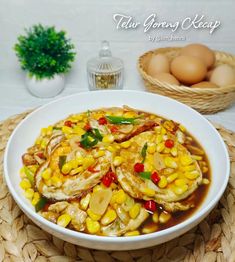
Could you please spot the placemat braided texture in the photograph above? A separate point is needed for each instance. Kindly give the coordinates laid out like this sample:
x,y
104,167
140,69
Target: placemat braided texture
x,y
21,240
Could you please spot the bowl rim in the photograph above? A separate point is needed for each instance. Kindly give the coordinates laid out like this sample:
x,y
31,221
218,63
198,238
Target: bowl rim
x,y
107,239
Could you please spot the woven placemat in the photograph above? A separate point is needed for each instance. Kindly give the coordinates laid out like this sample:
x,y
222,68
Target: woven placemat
x,y
212,240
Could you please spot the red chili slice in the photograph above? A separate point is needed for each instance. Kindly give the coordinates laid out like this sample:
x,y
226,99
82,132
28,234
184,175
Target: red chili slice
x,y
92,169
114,129
150,205
102,121
40,155
155,177
106,180
68,123
169,143
139,167
87,127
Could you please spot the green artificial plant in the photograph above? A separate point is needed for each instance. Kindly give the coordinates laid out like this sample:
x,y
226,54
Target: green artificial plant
x,y
44,52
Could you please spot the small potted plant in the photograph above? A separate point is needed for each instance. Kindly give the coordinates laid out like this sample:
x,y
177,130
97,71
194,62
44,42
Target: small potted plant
x,y
46,55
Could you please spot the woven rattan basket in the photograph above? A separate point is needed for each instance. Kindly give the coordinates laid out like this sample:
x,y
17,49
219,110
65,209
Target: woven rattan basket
x,y
204,100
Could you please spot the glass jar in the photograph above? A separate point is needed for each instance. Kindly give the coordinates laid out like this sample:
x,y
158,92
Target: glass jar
x,y
105,71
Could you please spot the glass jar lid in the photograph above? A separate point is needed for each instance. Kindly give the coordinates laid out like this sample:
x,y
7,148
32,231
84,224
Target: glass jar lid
x,y
105,63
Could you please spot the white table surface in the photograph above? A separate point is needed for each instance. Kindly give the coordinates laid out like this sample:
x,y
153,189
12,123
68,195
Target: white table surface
x,y
14,97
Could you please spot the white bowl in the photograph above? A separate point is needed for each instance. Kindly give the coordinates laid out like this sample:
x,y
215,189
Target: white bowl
x,y
26,132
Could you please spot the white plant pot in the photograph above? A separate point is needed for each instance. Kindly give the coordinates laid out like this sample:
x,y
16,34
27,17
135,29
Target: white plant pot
x,y
45,87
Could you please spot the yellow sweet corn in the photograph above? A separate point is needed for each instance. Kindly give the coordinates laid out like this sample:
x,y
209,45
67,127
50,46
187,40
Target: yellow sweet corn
x,y
159,139
163,131
46,174
56,181
108,217
25,184
99,153
97,188
44,143
22,173
132,233
120,196
130,114
196,157
163,182
205,181
64,220
174,151
117,160
186,160
170,162
111,149
134,211
78,130
85,201
151,149
155,217
35,199
67,130
125,144
66,168
182,128
188,168
172,177
92,215
29,193
180,182
88,161
150,228
192,175
164,217
148,191
108,138
92,226
205,169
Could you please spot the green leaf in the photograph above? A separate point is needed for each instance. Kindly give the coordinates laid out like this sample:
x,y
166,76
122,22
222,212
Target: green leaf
x,y
29,174
120,120
41,203
88,140
144,152
145,175
62,160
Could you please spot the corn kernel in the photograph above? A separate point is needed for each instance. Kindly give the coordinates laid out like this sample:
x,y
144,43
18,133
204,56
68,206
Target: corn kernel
x,y
192,175
129,114
67,130
25,184
148,191
134,211
164,217
63,220
157,129
120,196
170,162
92,226
204,169
150,228
180,190
35,199
159,139
22,173
99,153
76,170
48,182
151,149
180,182
38,141
108,138
36,195
182,128
174,151
43,131
167,171
73,163
29,193
160,147
44,143
188,168
172,177
186,160
108,217
205,181
88,161
163,131
85,201
155,217
132,233
163,182
92,215
46,174
117,160
111,149
166,150
79,160
56,181
125,144
66,168
78,130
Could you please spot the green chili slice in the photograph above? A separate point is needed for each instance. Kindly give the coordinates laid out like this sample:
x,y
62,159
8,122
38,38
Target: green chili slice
x,y
144,152
145,175
118,120
62,160
41,203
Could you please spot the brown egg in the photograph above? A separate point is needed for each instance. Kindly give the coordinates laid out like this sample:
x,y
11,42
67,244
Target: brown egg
x,y
204,84
223,75
158,64
200,51
188,69
166,77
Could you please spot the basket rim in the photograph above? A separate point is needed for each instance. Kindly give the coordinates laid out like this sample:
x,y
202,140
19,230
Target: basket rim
x,y
183,88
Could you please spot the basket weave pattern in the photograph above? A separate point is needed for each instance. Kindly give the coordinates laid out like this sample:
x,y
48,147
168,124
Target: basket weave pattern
x,y
204,100
22,241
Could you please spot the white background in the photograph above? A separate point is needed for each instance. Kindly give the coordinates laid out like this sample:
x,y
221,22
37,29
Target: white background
x,y
89,22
